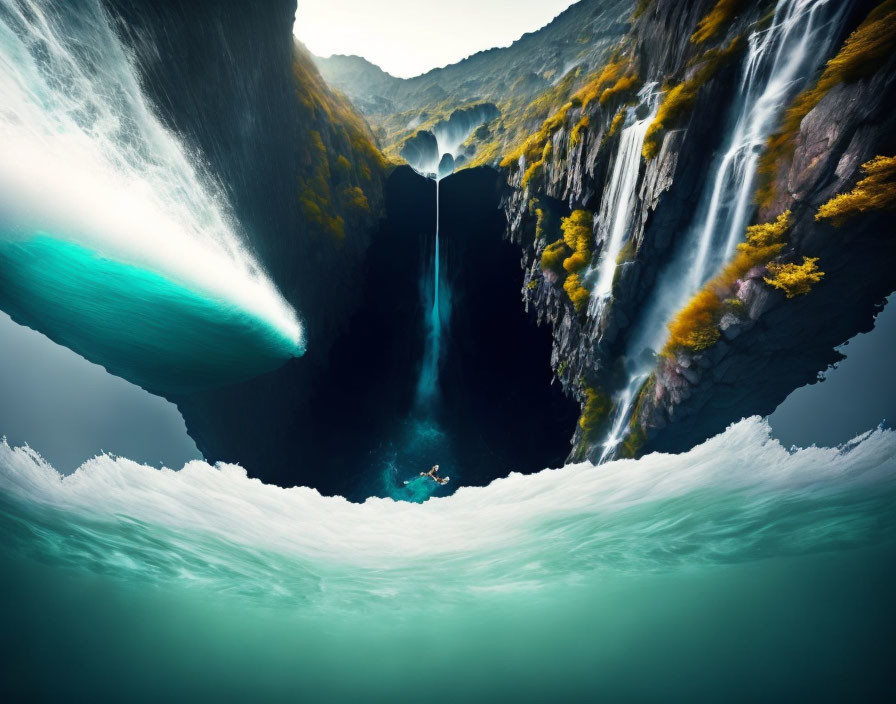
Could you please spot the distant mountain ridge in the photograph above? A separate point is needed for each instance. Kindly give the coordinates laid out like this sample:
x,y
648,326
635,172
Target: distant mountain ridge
x,y
510,77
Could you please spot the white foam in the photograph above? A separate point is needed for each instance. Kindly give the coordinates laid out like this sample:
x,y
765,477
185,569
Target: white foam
x,y
520,520
85,159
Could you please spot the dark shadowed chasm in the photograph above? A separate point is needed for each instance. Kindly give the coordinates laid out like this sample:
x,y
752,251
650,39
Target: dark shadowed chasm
x,y
347,420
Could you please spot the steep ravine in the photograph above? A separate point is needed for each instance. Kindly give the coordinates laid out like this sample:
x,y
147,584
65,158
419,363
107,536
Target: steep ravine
x,y
625,166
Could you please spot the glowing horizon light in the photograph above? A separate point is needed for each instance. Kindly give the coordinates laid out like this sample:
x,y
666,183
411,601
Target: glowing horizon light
x,y
407,38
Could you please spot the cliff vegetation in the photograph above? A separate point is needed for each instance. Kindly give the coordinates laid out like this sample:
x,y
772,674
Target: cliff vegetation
x,y
696,326
873,41
877,191
344,168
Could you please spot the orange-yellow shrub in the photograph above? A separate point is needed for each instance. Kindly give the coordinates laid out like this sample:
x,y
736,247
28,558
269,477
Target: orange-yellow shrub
x,y
862,53
795,279
580,127
877,191
624,85
721,14
553,256
695,327
577,235
594,411
610,73
577,293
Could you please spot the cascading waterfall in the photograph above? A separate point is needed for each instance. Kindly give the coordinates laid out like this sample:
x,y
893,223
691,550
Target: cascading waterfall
x,y
618,203
797,29
448,138
108,228
779,60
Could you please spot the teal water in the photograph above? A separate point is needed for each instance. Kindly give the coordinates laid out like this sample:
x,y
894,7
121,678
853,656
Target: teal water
x,y
136,323
736,572
417,442
436,296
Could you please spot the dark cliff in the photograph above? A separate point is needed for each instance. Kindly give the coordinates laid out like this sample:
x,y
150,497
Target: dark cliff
x,y
299,165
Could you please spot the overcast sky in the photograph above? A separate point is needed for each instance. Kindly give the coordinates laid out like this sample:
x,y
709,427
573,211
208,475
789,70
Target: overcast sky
x,y
409,37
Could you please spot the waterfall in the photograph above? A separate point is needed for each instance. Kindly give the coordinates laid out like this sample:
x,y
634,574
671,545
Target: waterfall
x,y
448,137
776,61
618,204
779,60
86,162
429,373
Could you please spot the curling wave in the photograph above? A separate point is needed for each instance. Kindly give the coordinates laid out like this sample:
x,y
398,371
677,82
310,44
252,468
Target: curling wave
x,y
90,176
739,497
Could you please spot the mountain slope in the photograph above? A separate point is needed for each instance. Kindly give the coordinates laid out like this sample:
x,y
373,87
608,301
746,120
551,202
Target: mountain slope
x,y
556,57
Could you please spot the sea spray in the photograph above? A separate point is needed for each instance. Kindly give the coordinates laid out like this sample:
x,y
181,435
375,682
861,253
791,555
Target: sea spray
x,y
86,162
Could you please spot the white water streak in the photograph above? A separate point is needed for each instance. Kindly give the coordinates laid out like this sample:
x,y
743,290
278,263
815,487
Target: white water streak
x,y
778,58
85,158
618,204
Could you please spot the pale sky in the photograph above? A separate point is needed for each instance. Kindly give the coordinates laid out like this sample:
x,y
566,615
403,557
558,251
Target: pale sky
x,y
409,37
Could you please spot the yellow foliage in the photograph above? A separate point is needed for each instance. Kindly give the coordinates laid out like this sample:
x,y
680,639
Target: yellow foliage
x,y
535,144
616,122
721,14
580,127
877,191
575,262
577,293
679,100
610,73
354,197
534,170
769,233
594,412
794,279
616,78
623,86
339,155
695,327
553,256
544,222
577,228
577,235
861,54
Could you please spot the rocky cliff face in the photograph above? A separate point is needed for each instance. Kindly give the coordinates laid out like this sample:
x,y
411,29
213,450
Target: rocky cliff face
x,y
758,343
298,163
777,343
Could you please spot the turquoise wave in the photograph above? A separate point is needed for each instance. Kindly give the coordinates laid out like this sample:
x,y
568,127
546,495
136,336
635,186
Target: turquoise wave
x,y
738,570
136,323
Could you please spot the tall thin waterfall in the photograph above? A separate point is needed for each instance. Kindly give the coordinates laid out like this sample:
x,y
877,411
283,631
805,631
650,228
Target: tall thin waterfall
x,y
435,290
429,373
618,203
779,60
